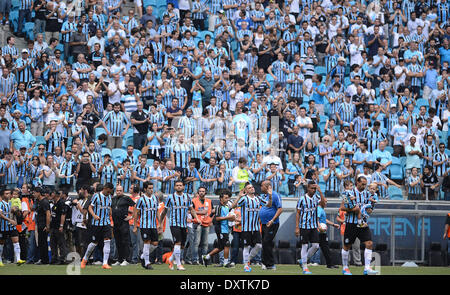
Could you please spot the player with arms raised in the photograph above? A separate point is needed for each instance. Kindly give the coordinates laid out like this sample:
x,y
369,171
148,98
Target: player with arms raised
x,y
178,204
250,205
352,231
307,221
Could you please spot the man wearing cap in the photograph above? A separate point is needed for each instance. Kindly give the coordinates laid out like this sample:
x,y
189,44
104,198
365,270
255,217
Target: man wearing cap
x,y
400,73
345,111
78,42
23,67
398,135
67,30
339,70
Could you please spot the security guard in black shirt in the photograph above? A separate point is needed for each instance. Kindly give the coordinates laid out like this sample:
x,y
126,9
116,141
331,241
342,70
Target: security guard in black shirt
x,y
43,216
57,240
119,205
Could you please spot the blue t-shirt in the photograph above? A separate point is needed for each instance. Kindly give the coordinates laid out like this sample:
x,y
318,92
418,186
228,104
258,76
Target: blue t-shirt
x,y
321,215
224,228
318,99
267,213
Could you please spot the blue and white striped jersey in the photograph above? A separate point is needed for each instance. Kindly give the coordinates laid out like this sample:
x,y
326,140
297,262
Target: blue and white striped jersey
x,y
148,207
5,208
308,211
101,206
250,212
178,206
362,198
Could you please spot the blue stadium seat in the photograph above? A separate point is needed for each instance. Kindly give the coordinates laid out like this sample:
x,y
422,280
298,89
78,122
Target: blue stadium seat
x,y
29,27
15,4
99,131
396,160
136,153
322,127
149,162
60,47
422,102
396,171
270,80
69,143
161,3
322,186
395,193
347,81
106,151
389,149
14,19
321,70
323,118
447,152
127,141
40,140
202,34
118,154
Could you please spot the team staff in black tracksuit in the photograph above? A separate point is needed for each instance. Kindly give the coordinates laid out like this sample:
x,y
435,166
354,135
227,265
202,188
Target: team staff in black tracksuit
x,y
119,205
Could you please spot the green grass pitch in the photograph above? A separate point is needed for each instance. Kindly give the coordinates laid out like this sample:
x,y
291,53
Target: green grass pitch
x,y
12,269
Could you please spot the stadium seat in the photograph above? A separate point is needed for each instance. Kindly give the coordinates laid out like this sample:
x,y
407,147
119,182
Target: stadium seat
x,y
321,70
118,154
60,47
29,27
395,193
149,162
106,151
285,254
422,102
202,34
395,160
396,171
161,3
447,152
14,19
389,149
435,255
322,127
347,81
99,131
40,140
137,152
15,4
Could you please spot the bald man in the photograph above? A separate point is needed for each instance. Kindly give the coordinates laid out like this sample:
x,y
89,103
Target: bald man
x,y
120,208
270,223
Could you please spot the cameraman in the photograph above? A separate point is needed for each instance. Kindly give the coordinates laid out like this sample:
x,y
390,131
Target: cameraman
x,y
80,230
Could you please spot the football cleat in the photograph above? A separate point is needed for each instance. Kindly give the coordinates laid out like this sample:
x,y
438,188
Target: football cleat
x,y
205,260
83,263
106,266
180,267
247,268
20,262
306,271
370,272
346,272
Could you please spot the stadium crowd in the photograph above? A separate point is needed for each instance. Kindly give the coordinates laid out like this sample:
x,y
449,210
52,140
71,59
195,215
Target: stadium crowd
x,y
217,94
